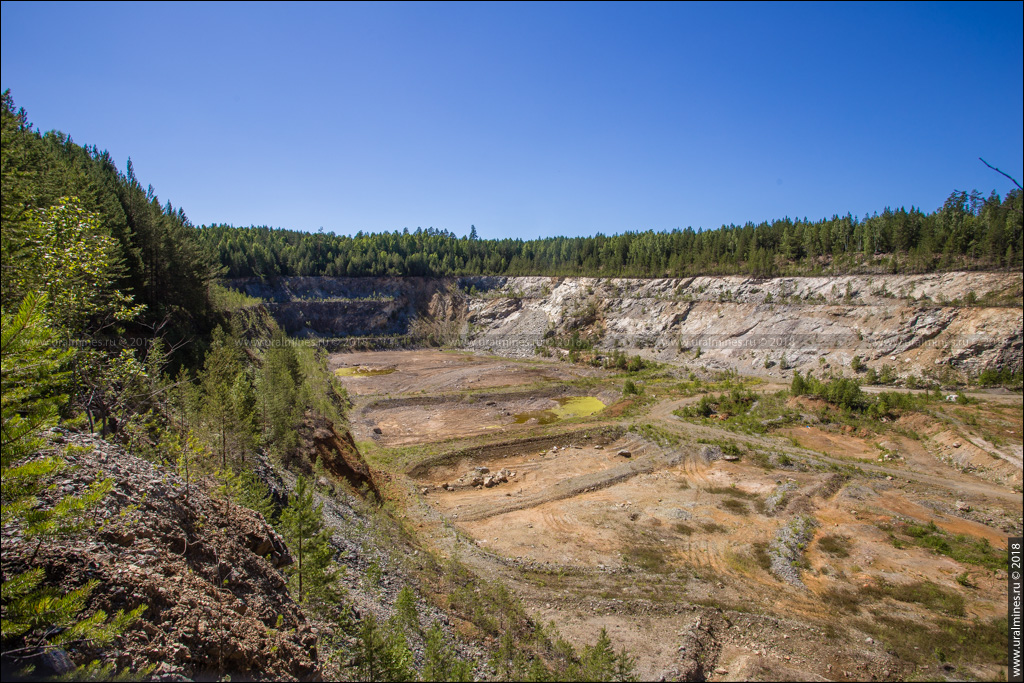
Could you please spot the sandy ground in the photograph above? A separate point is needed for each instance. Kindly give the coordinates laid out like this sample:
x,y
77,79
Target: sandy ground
x,y
645,545
431,371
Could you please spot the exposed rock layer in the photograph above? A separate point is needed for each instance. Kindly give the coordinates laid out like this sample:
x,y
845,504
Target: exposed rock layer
x,y
917,322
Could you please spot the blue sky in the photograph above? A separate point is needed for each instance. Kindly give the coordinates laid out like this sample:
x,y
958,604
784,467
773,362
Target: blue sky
x,y
530,119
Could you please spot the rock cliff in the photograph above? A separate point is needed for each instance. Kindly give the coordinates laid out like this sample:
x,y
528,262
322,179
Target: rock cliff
x,y
916,323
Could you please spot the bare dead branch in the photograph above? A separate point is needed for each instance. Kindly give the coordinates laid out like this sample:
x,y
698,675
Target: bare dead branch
x,y
1012,179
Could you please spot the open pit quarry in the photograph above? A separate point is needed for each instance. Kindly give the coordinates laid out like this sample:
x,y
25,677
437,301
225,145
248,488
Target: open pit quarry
x,y
781,540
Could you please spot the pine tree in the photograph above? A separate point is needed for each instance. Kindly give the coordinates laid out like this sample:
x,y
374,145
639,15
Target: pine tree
x,y
383,653
313,574
441,662
37,618
220,369
280,382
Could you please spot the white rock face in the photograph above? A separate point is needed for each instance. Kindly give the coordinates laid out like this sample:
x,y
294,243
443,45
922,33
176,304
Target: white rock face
x,y
745,322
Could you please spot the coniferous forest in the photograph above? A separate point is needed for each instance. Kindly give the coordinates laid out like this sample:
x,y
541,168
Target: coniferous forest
x,y
970,231
165,260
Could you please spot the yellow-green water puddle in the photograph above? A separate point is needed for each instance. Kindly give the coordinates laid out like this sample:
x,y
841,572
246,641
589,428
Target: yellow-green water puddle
x,y
360,371
574,406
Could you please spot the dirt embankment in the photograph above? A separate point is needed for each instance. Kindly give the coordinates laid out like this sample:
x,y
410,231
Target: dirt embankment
x,y
337,452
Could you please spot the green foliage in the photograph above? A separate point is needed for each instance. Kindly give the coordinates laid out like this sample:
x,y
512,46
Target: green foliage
x,y
600,662
313,575
658,435
405,609
969,229
225,299
960,547
846,395
35,616
224,412
440,661
50,614
31,374
926,593
836,545
743,410
508,660
63,199
70,255
946,640
382,653
964,579
737,507
1000,377
255,495
280,383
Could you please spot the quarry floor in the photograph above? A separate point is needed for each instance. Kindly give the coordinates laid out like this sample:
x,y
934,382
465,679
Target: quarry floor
x,y
651,526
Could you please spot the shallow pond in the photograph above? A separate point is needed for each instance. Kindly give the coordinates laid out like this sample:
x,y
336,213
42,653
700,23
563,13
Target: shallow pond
x,y
573,406
361,371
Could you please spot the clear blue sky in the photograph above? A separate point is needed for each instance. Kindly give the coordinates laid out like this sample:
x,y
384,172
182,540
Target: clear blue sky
x,y
530,119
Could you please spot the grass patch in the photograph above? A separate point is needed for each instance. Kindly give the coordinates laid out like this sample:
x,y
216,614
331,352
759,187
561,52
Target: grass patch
x,y
841,599
737,507
648,558
836,545
740,562
929,595
728,446
761,459
730,491
682,528
759,550
925,593
735,503
360,371
658,435
748,562
947,640
712,528
960,547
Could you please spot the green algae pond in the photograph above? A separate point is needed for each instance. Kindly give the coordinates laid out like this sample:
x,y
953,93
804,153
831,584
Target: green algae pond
x,y
360,371
573,406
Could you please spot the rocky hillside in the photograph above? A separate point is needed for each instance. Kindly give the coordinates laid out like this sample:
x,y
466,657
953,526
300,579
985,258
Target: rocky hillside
x,y
207,571
917,323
